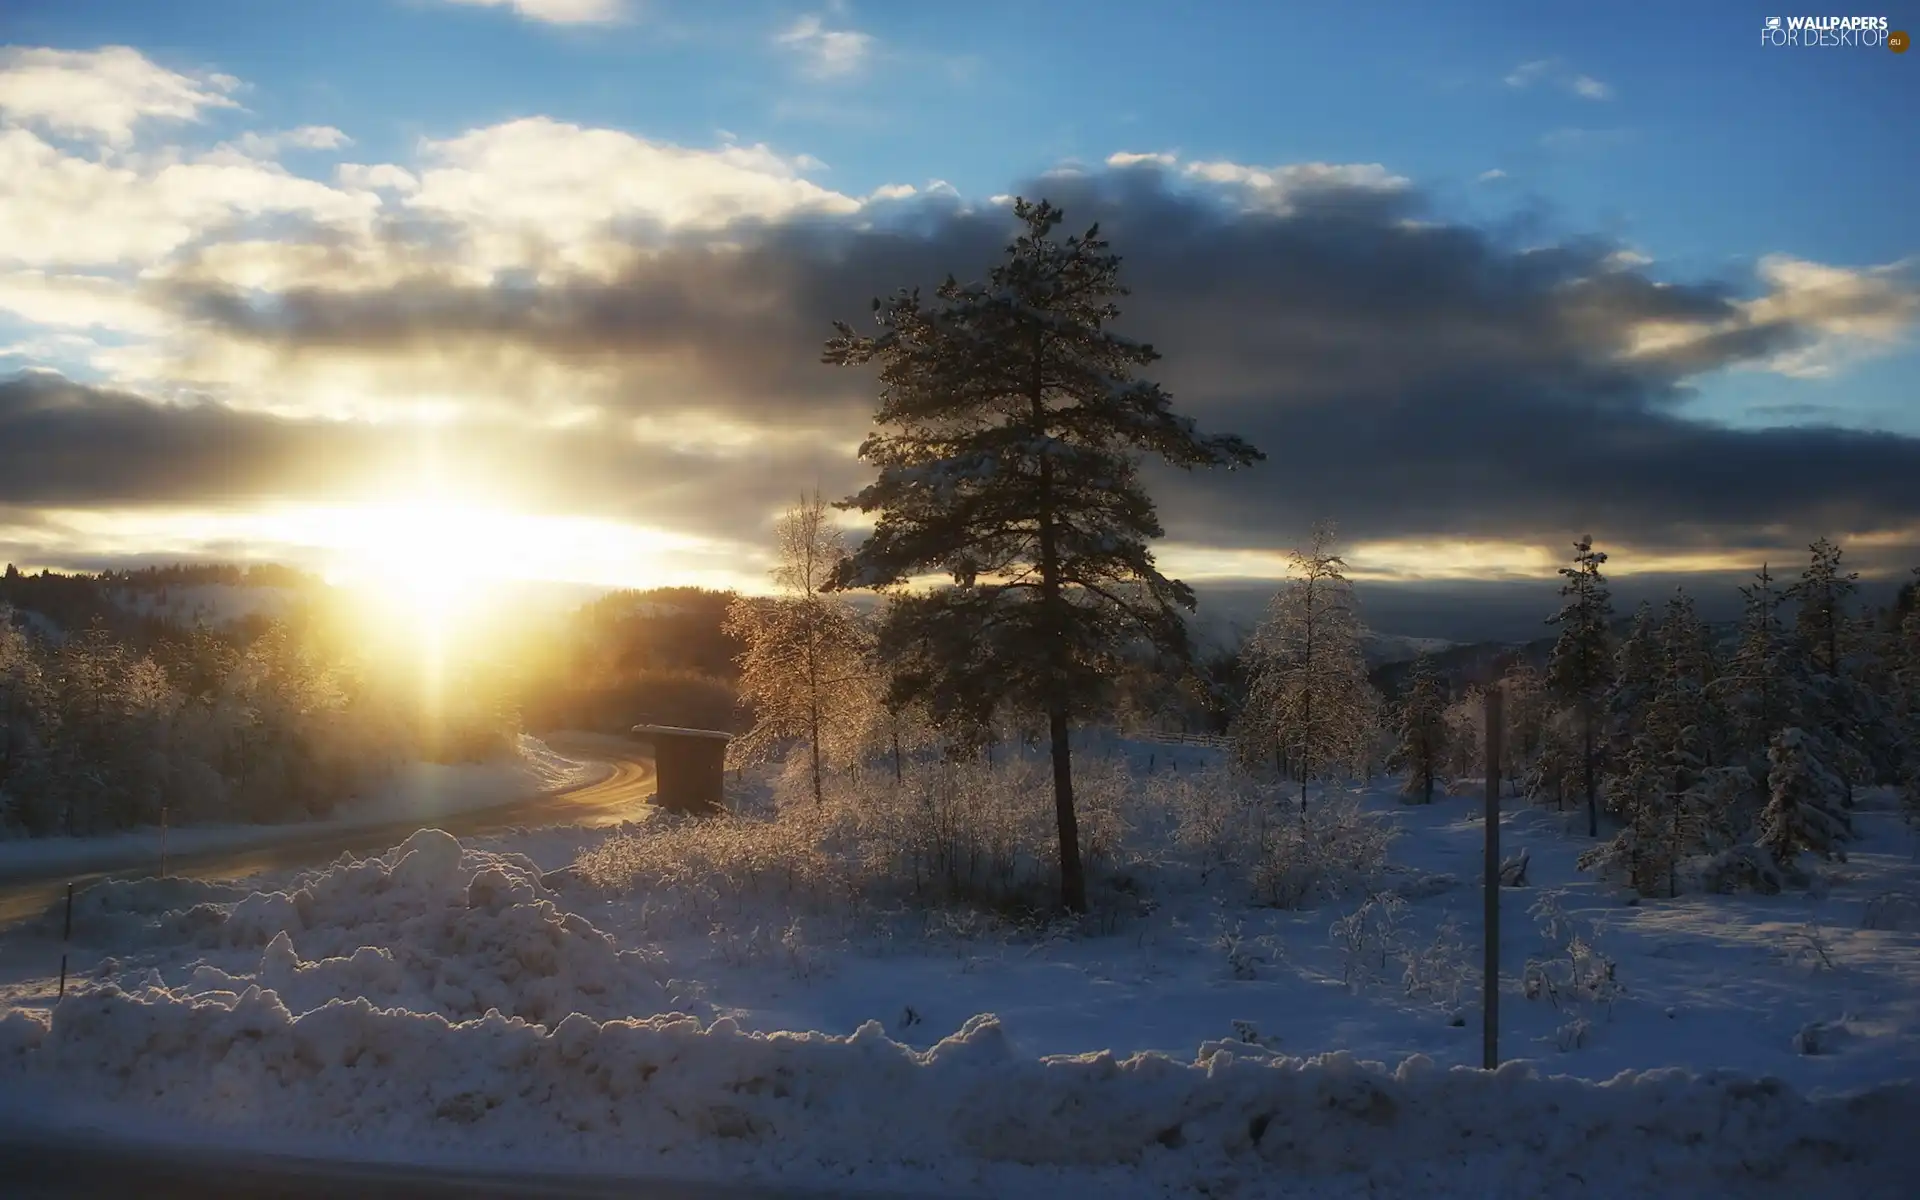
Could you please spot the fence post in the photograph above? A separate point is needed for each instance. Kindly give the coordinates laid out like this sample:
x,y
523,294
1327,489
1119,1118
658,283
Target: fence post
x,y
66,935
1490,984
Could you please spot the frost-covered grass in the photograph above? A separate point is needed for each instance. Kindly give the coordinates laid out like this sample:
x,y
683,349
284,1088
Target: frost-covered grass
x,y
792,995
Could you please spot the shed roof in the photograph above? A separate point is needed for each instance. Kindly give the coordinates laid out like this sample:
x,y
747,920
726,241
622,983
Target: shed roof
x,y
676,731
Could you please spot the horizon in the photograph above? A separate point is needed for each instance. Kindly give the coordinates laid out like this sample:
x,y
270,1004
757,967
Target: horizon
x,y
327,292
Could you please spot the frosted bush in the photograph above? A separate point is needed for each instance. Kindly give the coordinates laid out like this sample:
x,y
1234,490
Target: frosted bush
x,y
1368,937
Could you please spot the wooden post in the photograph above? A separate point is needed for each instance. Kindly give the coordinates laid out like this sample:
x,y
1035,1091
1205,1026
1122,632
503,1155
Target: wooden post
x,y
1490,993
66,935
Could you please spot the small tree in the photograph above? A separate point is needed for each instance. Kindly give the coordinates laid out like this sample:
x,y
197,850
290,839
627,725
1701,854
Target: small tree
x,y
804,669
1580,668
1423,728
1308,696
1014,428
1805,807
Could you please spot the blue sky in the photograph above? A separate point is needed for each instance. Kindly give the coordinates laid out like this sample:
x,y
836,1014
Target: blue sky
x,y
1668,132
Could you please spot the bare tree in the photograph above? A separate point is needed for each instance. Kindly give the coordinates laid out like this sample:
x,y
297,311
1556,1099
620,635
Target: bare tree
x,y
1308,695
805,669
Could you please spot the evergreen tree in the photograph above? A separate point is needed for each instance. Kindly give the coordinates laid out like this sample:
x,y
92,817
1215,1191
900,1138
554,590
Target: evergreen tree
x,y
1835,708
1308,696
1423,728
804,670
1904,669
1805,806
1013,432
1580,668
1757,688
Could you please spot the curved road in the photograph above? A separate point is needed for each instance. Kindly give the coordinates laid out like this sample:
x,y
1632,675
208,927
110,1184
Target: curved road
x,y
618,797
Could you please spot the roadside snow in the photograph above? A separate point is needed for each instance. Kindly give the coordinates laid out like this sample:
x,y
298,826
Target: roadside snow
x,y
473,1000
420,791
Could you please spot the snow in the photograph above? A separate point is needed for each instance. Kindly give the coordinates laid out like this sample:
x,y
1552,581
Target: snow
x,y
471,1000
419,791
207,603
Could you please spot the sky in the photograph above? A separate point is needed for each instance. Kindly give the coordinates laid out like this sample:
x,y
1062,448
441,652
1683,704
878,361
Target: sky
x,y
535,289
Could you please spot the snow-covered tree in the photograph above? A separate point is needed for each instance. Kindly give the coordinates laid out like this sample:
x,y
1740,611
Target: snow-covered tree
x,y
1580,669
1757,687
1014,427
1309,700
1422,744
1665,789
1636,675
1834,706
804,670
1805,806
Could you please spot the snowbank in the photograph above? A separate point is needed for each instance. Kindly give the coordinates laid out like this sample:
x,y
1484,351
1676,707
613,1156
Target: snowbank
x,y
667,1093
421,791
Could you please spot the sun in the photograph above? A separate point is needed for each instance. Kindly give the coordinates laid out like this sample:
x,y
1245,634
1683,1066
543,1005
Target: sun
x,y
433,559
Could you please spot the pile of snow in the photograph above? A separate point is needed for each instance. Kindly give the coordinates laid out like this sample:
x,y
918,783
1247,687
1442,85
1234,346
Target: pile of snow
x,y
971,1111
428,927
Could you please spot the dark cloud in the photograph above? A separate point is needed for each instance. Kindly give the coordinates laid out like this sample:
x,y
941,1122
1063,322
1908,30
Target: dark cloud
x,y
69,445
1411,377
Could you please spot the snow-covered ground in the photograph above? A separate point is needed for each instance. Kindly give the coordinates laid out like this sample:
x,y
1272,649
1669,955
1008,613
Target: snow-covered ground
x,y
420,791
476,1001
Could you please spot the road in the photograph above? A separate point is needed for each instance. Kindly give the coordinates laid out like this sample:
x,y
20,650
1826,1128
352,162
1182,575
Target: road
x,y
40,1164
620,796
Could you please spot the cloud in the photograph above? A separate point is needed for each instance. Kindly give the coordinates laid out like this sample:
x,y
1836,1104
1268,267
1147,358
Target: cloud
x,y
62,209
1276,189
1423,380
306,137
605,324
1492,176
825,53
102,95
559,12
1554,72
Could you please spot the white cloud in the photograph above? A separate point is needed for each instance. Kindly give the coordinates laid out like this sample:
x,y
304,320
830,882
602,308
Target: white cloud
x,y
60,209
539,192
306,137
1854,313
78,302
559,12
1277,188
1273,188
1555,72
1848,315
1492,175
826,53
378,177
101,95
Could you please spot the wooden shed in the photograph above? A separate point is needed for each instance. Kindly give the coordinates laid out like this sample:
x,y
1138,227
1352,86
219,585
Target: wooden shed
x,y
692,767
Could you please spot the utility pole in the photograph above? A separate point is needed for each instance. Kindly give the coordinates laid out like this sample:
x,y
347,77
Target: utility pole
x,y
1490,986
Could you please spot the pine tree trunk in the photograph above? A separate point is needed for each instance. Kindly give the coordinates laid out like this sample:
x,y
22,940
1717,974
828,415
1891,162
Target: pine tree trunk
x,y
1073,883
1586,768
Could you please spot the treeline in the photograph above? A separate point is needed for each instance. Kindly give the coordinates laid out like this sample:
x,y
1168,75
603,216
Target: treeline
x,y
1700,761
99,732
659,656
79,600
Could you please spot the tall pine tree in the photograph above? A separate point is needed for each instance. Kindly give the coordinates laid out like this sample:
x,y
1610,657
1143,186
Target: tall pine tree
x,y
1580,668
1013,427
